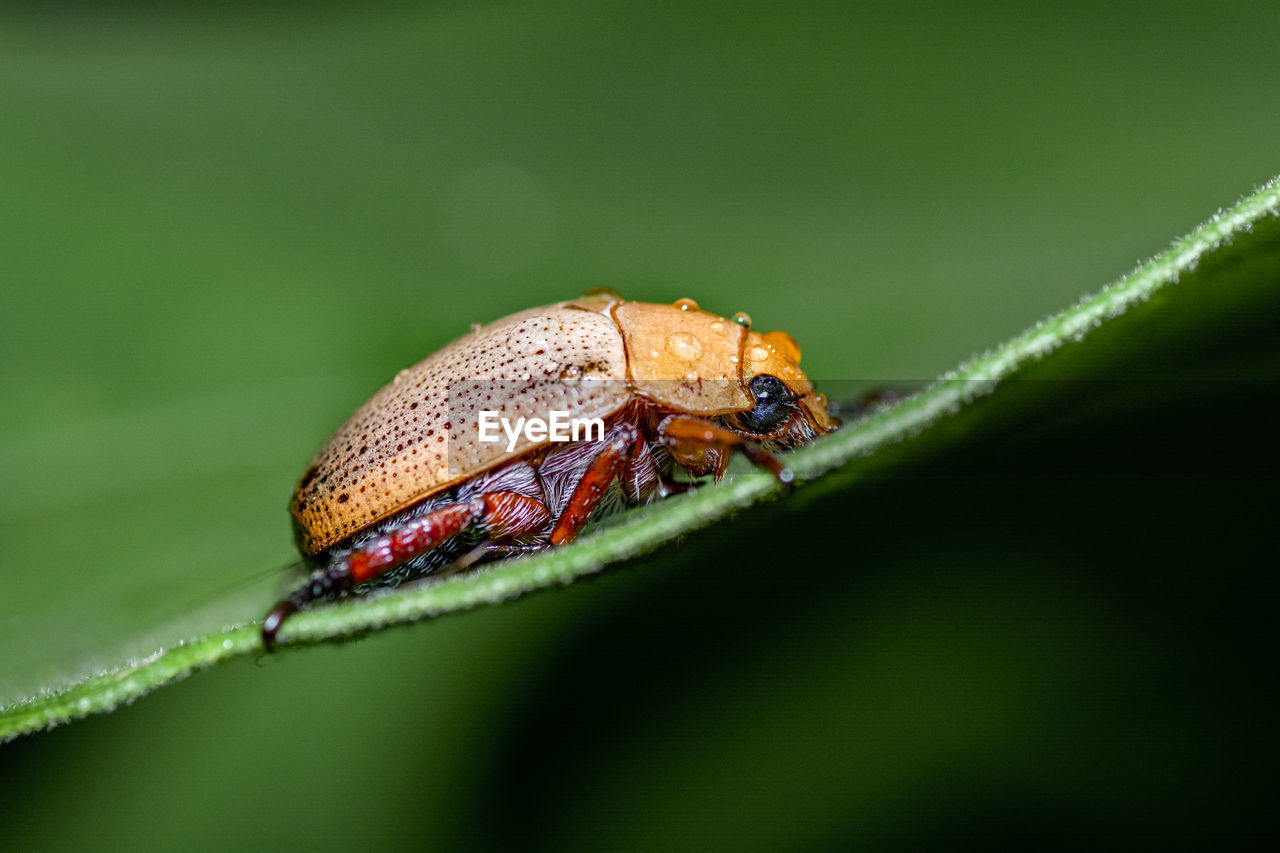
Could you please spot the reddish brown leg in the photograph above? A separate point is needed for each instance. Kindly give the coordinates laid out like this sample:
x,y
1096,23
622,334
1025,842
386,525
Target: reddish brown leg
x,y
641,479
668,487
591,488
688,436
502,515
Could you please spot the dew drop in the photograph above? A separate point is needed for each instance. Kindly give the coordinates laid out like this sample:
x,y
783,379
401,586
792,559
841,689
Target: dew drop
x,y
530,337
742,318
686,305
759,353
572,373
684,346
606,292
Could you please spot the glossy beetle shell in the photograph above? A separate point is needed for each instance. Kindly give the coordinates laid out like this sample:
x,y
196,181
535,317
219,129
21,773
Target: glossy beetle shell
x,y
589,357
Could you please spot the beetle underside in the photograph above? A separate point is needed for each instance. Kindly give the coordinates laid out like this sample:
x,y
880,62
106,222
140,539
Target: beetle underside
x,y
544,498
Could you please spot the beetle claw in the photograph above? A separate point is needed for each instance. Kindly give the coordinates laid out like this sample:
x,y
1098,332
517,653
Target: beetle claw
x,y
271,625
668,487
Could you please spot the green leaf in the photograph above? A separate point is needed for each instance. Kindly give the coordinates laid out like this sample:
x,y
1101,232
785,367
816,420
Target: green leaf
x,y
1225,263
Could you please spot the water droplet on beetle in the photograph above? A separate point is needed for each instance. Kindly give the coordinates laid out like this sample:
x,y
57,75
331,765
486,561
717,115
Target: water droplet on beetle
x,y
572,373
759,353
684,346
686,305
742,318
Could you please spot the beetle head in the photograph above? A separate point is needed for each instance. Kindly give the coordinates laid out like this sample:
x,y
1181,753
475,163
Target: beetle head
x,y
786,410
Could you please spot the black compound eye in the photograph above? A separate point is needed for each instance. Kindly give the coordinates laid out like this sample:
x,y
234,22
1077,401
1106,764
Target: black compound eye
x,y
772,408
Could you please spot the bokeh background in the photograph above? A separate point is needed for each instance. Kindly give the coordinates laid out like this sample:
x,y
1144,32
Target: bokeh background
x,y
222,228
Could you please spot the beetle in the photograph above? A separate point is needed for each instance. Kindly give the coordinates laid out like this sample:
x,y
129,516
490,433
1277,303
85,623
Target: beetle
x,y
406,487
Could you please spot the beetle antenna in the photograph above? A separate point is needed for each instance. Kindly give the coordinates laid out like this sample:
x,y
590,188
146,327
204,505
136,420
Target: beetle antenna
x,y
855,407
237,586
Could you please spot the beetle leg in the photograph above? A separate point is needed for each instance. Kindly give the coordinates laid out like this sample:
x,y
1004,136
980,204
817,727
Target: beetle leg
x,y
591,488
640,478
686,436
510,516
485,552
501,515
668,487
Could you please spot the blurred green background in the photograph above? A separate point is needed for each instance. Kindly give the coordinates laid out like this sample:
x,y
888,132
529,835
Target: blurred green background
x,y
222,228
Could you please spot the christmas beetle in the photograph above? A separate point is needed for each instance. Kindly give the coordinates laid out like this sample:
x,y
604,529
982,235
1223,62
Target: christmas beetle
x,y
411,484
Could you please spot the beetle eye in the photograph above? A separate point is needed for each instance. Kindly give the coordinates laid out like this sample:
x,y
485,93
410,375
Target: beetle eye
x,y
772,408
